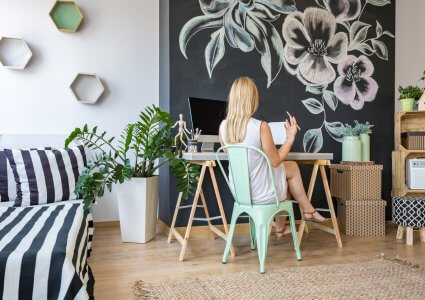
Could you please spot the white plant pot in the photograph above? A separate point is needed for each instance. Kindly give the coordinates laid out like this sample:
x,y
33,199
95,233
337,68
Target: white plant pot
x,y
138,204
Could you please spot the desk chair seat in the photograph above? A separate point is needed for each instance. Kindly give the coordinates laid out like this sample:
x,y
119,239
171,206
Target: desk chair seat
x,y
260,216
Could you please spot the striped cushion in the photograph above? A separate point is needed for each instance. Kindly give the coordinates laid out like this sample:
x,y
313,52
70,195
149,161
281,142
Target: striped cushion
x,y
7,181
46,176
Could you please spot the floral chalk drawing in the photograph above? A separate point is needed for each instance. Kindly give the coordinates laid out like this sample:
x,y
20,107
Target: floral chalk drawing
x,y
244,24
314,48
326,46
312,45
355,86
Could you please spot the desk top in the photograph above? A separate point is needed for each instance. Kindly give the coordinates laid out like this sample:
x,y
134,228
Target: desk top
x,y
200,156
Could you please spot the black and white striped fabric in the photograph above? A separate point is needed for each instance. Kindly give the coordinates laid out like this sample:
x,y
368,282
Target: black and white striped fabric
x,y
43,252
7,180
46,176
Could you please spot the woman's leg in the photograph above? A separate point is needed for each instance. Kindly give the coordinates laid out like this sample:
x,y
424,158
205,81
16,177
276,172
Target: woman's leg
x,y
281,228
296,187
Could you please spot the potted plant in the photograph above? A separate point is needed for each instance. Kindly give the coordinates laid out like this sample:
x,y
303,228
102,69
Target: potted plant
x,y
351,144
142,148
364,130
408,96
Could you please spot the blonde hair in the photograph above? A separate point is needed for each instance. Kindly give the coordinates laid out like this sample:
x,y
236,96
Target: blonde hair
x,y
243,102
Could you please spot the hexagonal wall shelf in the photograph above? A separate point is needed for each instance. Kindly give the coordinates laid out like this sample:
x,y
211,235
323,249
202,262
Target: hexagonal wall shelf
x,y
14,53
66,15
87,88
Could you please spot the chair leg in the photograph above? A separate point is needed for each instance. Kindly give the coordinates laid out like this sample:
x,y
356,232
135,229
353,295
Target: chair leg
x,y
400,231
262,238
422,234
252,233
409,236
235,216
294,234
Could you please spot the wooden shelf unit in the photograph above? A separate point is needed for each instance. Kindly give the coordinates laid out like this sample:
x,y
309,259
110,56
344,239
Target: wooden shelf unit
x,y
405,122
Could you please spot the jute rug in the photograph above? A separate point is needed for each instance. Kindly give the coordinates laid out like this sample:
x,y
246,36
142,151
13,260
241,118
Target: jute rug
x,y
378,279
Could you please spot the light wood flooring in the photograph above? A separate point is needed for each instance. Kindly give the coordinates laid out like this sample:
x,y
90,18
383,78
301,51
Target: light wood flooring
x,y
117,265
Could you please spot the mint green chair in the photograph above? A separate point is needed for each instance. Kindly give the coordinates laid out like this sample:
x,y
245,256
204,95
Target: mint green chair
x,y
260,216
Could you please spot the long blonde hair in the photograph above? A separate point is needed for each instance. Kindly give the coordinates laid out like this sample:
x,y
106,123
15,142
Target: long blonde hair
x,y
243,102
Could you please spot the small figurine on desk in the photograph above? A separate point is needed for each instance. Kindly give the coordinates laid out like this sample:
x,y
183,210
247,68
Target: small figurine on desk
x,y
182,131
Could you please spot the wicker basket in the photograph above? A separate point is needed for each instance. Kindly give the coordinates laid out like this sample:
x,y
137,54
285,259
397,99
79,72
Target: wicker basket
x,y
413,140
356,182
362,218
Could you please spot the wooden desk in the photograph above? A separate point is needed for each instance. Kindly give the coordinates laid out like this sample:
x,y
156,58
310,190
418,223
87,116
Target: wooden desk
x,y
207,160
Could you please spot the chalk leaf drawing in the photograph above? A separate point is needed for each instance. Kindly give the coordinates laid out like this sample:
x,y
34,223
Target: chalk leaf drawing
x,y
313,106
313,140
379,2
215,49
330,99
320,57
245,25
335,130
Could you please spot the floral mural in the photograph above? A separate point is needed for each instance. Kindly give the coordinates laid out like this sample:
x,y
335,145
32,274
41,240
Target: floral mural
x,y
327,47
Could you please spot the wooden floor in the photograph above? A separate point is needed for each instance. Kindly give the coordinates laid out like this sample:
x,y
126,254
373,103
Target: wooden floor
x,y
117,265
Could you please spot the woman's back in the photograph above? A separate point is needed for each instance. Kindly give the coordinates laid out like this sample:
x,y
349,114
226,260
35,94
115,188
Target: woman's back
x,y
262,191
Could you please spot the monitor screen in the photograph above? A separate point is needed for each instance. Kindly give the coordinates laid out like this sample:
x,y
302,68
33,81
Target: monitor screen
x,y
207,114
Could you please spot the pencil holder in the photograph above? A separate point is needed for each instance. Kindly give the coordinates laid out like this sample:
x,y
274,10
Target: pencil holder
x,y
192,145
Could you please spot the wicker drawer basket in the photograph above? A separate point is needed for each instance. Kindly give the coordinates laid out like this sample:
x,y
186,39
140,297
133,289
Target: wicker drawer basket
x,y
413,140
362,218
356,182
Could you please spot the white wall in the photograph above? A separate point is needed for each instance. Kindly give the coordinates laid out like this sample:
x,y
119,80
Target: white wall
x,y
410,43
118,41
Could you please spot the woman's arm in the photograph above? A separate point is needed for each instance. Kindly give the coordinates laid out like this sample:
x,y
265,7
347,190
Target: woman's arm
x,y
275,156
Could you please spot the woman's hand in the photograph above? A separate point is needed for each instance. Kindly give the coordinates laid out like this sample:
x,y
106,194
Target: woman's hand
x,y
291,129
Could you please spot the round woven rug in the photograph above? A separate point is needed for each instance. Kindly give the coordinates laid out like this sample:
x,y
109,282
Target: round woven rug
x,y
377,279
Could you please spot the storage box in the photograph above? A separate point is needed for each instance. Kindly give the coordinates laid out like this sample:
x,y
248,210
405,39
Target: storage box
x,y
356,182
413,140
362,218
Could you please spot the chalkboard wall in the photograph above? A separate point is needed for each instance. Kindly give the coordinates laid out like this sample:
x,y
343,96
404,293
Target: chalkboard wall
x,y
328,62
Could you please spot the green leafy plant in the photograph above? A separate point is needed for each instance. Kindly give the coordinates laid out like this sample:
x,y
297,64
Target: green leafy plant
x,y
350,130
410,91
423,76
362,128
150,145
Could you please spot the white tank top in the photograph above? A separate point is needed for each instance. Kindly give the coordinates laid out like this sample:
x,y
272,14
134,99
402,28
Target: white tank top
x,y
262,191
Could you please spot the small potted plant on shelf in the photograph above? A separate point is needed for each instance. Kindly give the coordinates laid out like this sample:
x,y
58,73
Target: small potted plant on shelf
x,y
142,148
351,144
364,130
408,96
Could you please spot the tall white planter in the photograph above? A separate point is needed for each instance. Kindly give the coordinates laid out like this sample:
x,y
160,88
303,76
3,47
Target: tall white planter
x,y
138,204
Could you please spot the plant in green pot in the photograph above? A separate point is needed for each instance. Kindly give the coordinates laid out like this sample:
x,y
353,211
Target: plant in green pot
x,y
364,130
351,144
131,163
408,96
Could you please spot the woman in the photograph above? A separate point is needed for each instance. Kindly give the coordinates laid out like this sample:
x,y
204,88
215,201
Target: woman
x,y
240,127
